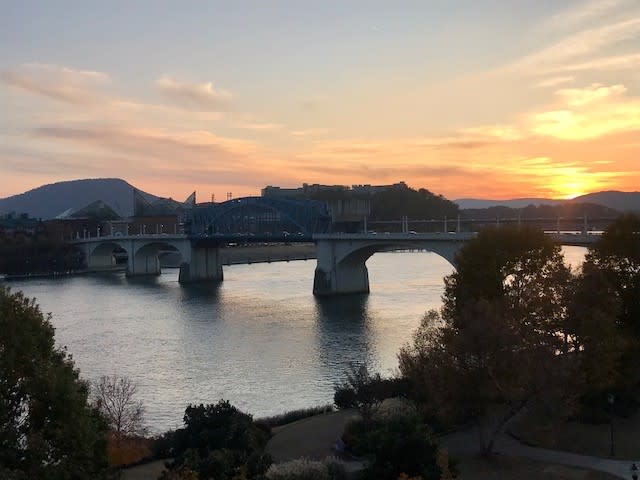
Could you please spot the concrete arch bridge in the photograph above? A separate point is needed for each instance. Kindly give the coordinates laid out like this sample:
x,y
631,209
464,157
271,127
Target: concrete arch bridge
x,y
341,258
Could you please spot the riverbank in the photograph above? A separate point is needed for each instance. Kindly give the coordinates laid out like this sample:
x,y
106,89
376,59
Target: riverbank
x,y
230,255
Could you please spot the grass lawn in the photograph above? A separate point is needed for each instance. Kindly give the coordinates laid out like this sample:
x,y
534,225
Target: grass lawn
x,y
582,438
510,468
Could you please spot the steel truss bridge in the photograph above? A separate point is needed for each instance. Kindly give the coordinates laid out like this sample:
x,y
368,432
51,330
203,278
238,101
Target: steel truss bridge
x,y
258,219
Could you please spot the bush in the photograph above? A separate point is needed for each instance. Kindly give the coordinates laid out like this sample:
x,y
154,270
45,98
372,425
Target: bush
x,y
304,469
218,441
395,445
366,391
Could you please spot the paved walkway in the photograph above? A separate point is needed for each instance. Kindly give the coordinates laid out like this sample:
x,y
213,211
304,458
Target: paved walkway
x,y
467,442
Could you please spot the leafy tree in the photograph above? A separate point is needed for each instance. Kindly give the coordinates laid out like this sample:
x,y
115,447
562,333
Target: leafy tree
x,y
616,258
617,254
47,427
219,441
497,341
366,391
594,336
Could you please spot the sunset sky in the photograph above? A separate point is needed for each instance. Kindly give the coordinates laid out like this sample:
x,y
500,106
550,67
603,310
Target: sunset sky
x,y
468,98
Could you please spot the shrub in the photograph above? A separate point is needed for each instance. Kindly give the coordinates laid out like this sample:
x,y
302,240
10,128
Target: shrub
x,y
365,391
330,468
395,445
218,441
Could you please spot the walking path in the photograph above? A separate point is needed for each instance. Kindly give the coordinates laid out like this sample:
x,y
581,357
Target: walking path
x,y
467,442
314,437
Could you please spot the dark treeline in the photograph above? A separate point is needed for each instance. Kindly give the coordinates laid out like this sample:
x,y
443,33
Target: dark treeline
x,y
567,210
394,203
26,255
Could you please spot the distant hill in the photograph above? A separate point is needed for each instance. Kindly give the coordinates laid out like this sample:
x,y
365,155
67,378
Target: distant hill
x,y
620,201
466,203
48,201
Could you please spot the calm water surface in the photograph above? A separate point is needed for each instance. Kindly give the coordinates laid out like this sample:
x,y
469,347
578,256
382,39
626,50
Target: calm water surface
x,y
259,339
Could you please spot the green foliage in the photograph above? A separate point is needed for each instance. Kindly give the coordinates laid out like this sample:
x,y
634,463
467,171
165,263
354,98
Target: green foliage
x,y
395,445
363,390
617,254
366,391
505,306
219,441
416,204
47,428
612,267
22,255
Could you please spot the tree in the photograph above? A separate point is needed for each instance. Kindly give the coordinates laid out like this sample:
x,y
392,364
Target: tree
x,y
115,397
47,427
499,339
361,390
617,254
218,442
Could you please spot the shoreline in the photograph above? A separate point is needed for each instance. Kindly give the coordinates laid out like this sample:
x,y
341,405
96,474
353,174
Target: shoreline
x,y
236,255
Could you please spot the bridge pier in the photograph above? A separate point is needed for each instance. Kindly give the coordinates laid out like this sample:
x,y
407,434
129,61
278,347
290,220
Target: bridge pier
x,y
204,264
337,273
342,280
143,264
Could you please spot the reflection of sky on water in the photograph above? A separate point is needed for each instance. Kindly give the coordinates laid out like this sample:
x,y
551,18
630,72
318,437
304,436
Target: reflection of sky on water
x,y
259,339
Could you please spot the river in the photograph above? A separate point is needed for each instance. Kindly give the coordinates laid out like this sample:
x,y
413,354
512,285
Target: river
x,y
259,339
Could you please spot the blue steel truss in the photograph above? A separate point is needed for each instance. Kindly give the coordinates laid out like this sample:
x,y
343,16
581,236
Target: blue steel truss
x,y
261,216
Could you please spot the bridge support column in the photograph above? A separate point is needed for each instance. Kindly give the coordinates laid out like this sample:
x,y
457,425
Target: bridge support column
x,y
335,277
143,264
204,265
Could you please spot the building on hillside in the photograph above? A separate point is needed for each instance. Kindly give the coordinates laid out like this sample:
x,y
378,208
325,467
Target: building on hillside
x,y
369,190
312,190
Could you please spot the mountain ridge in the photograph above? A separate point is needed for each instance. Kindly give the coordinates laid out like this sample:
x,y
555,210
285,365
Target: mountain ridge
x,y
50,200
615,199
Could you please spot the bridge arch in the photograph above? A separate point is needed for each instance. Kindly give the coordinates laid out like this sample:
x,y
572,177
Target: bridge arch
x,y
101,256
144,257
342,266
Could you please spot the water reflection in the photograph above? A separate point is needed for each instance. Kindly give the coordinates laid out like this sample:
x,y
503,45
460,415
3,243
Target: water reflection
x,y
343,332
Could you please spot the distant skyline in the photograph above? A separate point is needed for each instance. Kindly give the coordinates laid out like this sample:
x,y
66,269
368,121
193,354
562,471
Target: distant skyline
x,y
468,98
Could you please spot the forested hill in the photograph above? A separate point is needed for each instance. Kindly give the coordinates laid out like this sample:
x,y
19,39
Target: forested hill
x,y
419,204
394,203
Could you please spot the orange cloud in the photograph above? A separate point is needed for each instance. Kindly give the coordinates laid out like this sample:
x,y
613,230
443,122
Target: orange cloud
x,y
589,112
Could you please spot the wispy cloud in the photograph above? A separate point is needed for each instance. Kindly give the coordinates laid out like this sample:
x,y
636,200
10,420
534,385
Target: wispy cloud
x,y
56,82
576,47
259,127
310,132
555,81
197,96
585,12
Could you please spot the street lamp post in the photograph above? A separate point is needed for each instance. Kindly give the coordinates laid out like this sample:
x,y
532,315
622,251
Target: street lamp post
x,y
611,399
